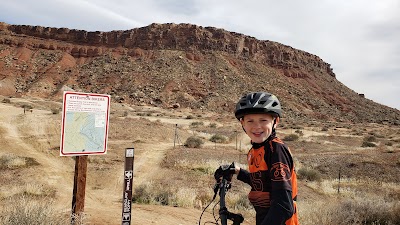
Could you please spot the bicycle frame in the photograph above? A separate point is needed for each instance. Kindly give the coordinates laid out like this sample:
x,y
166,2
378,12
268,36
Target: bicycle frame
x,y
223,211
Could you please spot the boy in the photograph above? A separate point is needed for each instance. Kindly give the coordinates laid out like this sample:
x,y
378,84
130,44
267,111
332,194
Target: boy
x,y
271,172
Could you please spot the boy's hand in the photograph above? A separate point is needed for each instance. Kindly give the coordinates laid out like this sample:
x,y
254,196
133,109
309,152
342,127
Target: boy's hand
x,y
225,171
237,170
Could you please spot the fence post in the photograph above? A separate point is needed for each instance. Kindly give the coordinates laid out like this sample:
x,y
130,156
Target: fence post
x,y
338,188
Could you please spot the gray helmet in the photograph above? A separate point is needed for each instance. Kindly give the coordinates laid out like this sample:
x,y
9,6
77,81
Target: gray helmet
x,y
258,102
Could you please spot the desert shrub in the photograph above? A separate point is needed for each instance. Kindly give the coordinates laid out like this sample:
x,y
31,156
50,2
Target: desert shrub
x,y
6,100
296,127
370,139
184,197
291,137
26,106
358,211
203,197
213,125
368,212
11,161
149,193
368,144
37,190
239,201
55,111
25,210
197,124
194,142
309,174
157,194
300,132
217,138
203,166
389,144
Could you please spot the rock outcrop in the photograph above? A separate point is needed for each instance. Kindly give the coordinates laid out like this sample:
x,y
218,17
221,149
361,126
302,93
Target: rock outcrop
x,y
185,37
177,66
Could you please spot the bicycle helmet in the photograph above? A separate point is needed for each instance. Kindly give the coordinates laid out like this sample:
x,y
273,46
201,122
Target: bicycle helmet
x,y
258,102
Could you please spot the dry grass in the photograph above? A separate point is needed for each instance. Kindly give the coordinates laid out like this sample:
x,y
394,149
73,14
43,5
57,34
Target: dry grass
x,y
12,161
23,210
360,201
369,188
355,211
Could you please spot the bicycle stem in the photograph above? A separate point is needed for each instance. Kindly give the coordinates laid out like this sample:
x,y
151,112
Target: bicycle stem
x,y
223,211
222,207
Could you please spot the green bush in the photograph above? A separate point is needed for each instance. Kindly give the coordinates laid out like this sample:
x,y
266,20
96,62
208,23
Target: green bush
x,y
291,137
194,142
217,138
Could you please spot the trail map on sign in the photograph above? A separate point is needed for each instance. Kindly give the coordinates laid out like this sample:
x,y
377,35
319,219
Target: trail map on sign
x,y
85,124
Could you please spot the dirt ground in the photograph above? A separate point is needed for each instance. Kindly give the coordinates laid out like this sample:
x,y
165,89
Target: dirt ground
x,y
35,134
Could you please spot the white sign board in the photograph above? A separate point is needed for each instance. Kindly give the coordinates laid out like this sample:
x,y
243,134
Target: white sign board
x,y
84,128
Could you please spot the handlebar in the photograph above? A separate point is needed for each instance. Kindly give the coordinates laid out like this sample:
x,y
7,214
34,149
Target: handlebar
x,y
223,176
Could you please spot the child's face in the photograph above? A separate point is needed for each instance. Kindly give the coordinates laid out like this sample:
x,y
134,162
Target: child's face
x,y
258,126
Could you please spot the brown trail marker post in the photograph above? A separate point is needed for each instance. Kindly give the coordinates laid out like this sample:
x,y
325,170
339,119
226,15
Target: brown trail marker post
x,y
127,194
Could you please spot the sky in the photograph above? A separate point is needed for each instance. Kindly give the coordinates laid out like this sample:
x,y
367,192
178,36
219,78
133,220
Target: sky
x,y
359,38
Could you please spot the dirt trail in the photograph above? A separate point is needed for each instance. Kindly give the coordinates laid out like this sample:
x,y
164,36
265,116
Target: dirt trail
x,y
52,171
23,135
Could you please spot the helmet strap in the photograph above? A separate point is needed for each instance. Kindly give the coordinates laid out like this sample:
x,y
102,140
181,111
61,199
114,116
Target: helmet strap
x,y
276,119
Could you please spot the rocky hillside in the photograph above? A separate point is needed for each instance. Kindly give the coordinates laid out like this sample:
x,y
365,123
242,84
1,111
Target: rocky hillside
x,y
177,65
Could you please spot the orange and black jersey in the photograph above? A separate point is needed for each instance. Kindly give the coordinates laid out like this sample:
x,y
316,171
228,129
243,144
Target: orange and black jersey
x,y
273,182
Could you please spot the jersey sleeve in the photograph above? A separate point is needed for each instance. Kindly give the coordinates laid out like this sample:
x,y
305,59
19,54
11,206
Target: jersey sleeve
x,y
244,176
281,167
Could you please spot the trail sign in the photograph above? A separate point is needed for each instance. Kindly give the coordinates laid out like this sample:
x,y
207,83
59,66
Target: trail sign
x,y
127,193
84,124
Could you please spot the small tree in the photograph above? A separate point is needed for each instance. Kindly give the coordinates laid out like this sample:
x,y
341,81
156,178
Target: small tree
x,y
194,142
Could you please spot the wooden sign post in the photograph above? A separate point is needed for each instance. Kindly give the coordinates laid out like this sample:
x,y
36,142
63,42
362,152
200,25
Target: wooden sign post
x,y
78,195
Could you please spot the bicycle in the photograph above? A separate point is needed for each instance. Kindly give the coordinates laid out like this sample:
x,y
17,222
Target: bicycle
x,y
223,177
